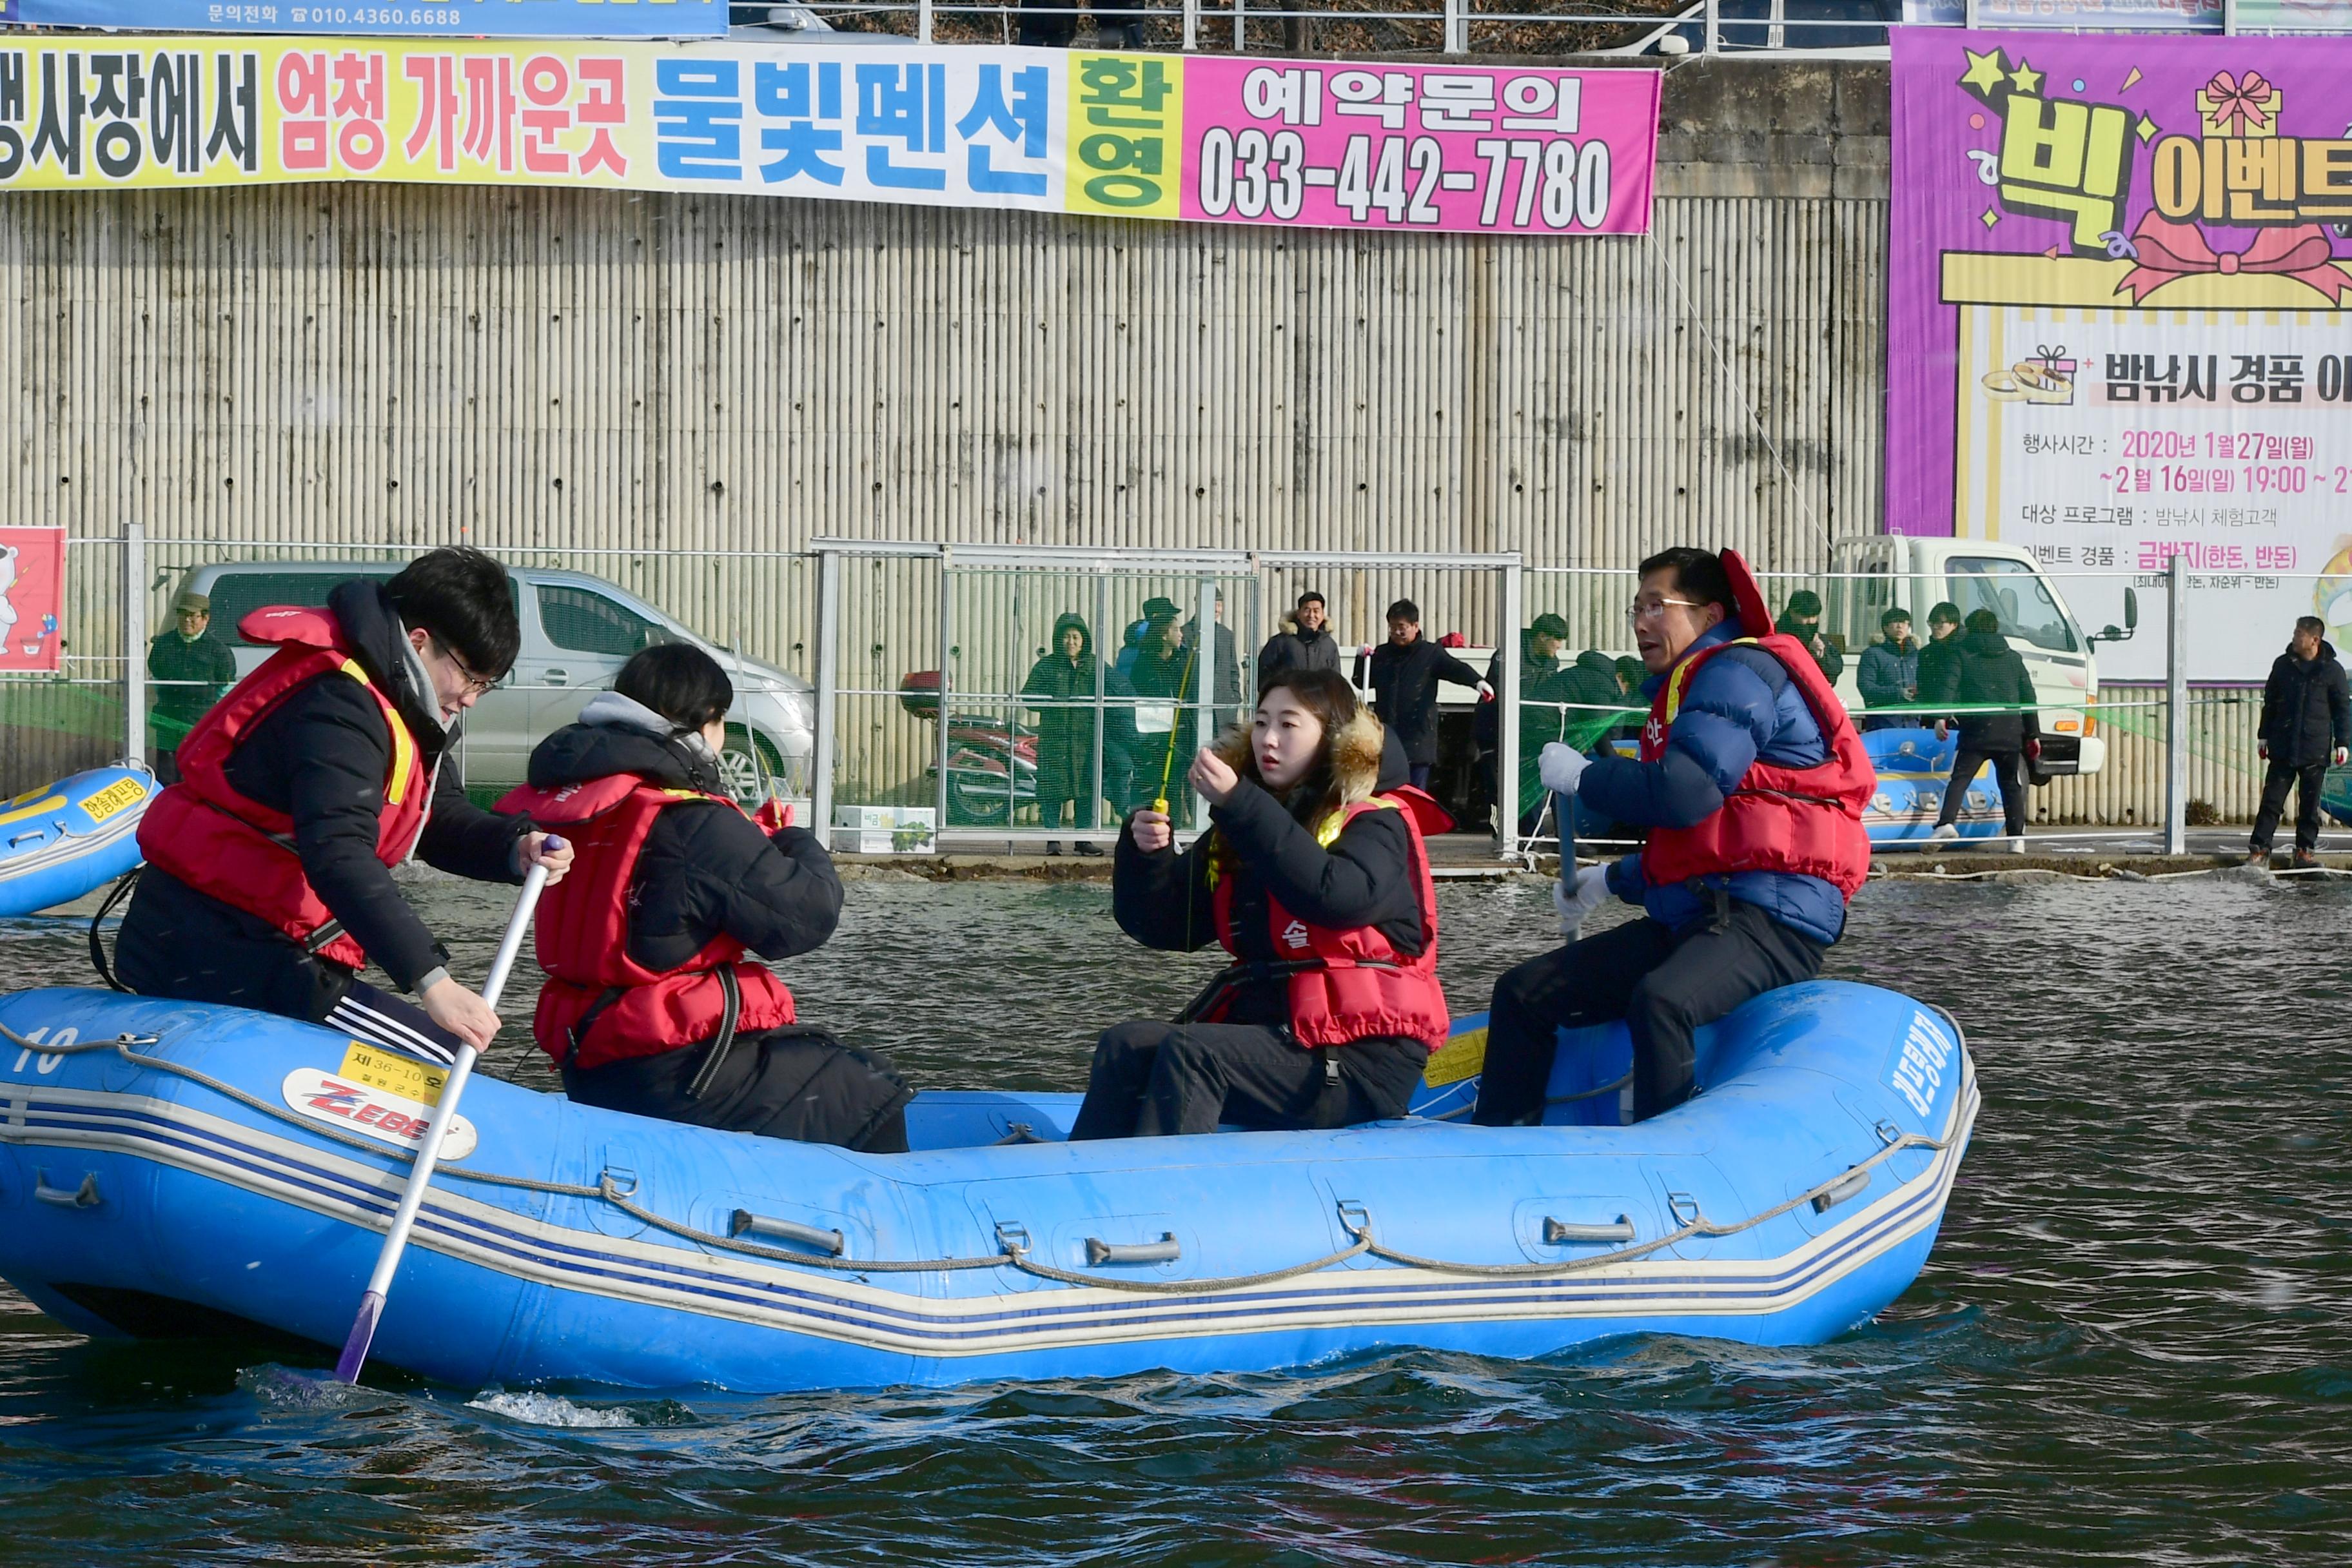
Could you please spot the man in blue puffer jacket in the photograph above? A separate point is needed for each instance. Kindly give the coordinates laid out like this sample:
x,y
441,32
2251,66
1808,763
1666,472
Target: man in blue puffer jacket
x,y
1752,782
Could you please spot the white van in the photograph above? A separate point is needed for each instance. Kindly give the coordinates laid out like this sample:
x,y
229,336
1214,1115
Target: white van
x,y
1977,574
577,632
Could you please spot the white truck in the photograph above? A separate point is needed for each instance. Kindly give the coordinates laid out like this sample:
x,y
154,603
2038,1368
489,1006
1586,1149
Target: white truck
x,y
1976,574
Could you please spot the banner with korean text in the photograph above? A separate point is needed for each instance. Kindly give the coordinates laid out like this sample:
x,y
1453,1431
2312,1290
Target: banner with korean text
x,y
1513,150
2121,329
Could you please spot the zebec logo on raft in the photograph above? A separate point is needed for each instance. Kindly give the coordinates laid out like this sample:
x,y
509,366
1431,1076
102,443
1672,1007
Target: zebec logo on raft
x,y
372,1113
1920,1065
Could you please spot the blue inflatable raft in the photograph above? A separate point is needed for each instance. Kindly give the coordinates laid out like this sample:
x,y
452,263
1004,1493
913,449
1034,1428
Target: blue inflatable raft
x,y
169,1168
1914,770
68,838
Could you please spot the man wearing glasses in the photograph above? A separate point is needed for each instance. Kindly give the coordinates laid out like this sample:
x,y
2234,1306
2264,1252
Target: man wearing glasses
x,y
1752,783
268,882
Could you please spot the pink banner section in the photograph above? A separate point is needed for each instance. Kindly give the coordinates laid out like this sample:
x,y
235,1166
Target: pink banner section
x,y
1444,149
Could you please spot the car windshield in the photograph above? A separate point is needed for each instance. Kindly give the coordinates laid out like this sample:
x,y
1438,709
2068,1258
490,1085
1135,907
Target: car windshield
x,y
2016,592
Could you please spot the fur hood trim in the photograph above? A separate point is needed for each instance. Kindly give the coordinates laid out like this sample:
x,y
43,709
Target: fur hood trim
x,y
1354,753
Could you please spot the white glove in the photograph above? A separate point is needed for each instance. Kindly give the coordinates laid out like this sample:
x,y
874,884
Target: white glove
x,y
1592,886
2340,754
1559,767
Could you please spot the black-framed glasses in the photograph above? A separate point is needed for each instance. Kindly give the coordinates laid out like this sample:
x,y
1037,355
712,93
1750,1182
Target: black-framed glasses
x,y
475,685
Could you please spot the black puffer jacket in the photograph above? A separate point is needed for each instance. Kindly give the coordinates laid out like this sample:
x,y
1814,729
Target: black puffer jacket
x,y
320,757
1986,669
1365,878
2305,713
706,867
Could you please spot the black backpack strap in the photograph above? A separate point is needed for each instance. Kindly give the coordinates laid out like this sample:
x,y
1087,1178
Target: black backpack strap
x,y
121,890
724,1041
579,1031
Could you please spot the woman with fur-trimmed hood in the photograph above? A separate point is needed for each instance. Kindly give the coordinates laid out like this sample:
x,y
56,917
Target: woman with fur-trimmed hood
x,y
1317,883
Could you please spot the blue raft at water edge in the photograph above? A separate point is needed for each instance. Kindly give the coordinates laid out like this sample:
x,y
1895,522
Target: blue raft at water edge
x,y
71,838
169,1168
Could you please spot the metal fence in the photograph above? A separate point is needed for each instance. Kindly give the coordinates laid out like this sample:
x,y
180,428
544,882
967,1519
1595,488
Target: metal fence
x,y
877,678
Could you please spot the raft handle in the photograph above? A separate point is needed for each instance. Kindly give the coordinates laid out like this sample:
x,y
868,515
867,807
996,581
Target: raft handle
x,y
83,1197
745,1223
1165,1250
1837,1192
1556,1232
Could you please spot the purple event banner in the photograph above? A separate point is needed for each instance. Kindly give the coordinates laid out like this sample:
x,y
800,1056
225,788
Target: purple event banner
x,y
2120,329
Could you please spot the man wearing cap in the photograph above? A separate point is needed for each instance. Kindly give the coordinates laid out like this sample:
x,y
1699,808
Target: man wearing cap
x,y
1168,715
1752,782
194,669
1544,686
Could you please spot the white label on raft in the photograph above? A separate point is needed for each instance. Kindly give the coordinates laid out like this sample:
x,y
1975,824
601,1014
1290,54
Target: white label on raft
x,y
1917,1073
372,1113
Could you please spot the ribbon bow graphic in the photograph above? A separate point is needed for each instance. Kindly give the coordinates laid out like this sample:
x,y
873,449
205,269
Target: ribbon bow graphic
x,y
2237,102
2169,251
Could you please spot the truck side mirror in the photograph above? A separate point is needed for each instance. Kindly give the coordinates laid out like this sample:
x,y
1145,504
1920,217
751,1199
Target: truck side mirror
x,y
2124,632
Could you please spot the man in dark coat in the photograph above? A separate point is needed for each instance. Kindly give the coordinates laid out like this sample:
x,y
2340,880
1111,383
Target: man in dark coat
x,y
1939,654
1987,673
1404,673
1889,674
2306,725
1168,717
1544,687
1802,620
1304,644
198,669
1063,687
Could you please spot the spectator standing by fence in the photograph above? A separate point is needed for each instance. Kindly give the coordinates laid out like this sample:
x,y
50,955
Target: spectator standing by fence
x,y
1889,674
2306,724
1404,672
197,669
1937,653
1802,620
1062,687
1989,673
1305,643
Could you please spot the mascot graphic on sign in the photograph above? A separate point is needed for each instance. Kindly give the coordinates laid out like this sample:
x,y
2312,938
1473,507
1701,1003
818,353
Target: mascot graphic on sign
x,y
7,586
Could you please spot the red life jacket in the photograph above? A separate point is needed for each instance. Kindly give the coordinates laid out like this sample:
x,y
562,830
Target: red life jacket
x,y
1806,821
1357,985
235,849
599,1005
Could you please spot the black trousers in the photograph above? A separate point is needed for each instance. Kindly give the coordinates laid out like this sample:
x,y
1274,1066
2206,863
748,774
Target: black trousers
x,y
1151,1079
796,1083
2307,783
2008,769
175,942
1664,984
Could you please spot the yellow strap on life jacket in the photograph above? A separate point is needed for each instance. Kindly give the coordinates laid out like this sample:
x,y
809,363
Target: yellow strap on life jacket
x,y
1328,832
1682,672
403,745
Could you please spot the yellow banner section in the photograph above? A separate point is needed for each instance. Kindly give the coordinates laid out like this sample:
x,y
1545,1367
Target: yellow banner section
x,y
1127,143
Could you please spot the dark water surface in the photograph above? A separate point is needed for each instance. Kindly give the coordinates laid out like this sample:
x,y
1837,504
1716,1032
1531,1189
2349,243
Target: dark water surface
x,y
2130,1345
